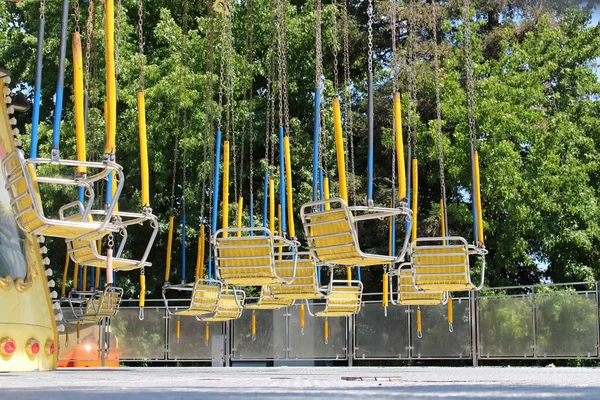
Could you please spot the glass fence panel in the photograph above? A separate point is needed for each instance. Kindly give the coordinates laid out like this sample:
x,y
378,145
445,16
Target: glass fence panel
x,y
139,340
567,324
505,326
270,339
194,342
312,344
437,340
378,336
82,351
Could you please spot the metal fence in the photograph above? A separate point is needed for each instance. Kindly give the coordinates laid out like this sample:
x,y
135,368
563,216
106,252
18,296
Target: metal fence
x,y
527,322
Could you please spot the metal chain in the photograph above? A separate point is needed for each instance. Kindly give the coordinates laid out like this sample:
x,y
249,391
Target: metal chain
x,y
230,128
245,73
88,42
140,42
335,46
319,45
184,95
370,14
286,104
438,103
222,73
470,78
118,38
393,16
348,100
412,84
77,15
42,9
280,60
208,101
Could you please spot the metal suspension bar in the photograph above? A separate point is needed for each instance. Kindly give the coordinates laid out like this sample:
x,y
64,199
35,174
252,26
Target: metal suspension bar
x,y
79,101
61,80
315,192
225,217
339,149
169,248
399,147
288,179
145,174
35,121
371,145
415,179
183,241
251,212
282,190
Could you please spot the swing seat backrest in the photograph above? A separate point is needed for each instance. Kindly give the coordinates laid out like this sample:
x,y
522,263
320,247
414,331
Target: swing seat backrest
x,y
342,299
205,299
305,285
104,305
249,259
441,267
409,295
269,302
230,306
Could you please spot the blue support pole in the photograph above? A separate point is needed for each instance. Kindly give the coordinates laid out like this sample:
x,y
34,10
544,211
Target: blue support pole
x,y
282,183
93,276
358,274
213,225
80,283
315,193
371,134
61,76
35,120
109,185
266,201
251,213
183,249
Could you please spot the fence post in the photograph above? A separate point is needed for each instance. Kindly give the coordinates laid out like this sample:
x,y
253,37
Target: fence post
x,y
350,339
597,327
474,316
534,313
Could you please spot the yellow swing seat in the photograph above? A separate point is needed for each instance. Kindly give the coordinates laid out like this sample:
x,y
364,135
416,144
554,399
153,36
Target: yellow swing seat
x,y
85,252
305,285
332,235
344,298
442,264
267,301
230,306
205,298
22,184
92,306
408,295
249,259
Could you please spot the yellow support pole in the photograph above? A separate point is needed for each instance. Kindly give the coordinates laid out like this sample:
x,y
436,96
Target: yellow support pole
x,y
97,277
79,107
78,331
415,196
399,147
450,311
272,206
178,329
279,222
302,317
443,218
114,190
169,248
84,278
200,257
349,275
111,84
63,288
66,337
339,148
386,290
75,276
145,174
253,325
225,186
326,331
142,290
288,184
326,193
419,323
207,334
240,214
477,190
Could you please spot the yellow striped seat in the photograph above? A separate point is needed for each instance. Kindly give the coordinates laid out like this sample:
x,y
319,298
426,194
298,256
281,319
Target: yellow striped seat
x,y
332,237
23,189
409,295
342,300
269,302
85,252
205,299
230,306
249,260
305,285
104,305
440,267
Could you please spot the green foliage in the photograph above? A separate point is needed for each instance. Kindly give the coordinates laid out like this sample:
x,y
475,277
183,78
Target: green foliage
x,y
537,111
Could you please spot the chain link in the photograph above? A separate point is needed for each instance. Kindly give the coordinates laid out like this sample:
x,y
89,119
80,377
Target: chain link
x,y
88,42
470,78
393,16
140,29
208,100
246,78
319,45
222,73
184,90
42,9
370,14
77,14
335,46
412,84
438,103
348,101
